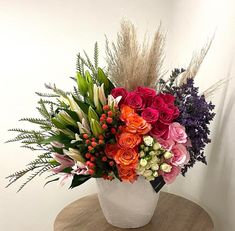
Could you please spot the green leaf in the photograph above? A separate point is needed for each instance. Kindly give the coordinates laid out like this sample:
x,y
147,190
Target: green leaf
x,y
56,179
84,106
96,128
102,78
57,123
79,179
82,84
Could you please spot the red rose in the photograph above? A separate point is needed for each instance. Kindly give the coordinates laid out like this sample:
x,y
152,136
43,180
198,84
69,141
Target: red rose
x,y
168,98
134,100
110,150
146,92
159,130
176,110
158,103
119,91
150,115
166,116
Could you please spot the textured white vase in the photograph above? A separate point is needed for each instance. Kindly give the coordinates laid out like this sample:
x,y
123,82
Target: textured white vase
x,y
127,205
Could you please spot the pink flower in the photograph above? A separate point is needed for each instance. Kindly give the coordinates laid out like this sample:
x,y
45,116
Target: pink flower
x,y
135,101
150,115
63,160
167,144
119,91
169,177
80,169
177,133
64,178
180,155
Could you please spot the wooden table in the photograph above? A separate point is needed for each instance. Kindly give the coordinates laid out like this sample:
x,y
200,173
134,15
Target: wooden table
x,y
173,213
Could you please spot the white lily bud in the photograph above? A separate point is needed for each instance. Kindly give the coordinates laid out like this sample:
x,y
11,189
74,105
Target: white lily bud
x,y
165,167
143,162
96,95
82,129
74,154
102,96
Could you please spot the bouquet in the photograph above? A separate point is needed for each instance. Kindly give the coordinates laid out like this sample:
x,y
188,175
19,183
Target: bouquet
x,y
123,121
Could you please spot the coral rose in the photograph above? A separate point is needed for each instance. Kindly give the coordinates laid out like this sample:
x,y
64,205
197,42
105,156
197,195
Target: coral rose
x,y
126,157
126,111
136,124
110,150
128,140
127,174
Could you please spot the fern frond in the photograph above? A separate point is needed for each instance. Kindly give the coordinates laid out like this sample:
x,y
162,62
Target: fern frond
x,y
96,55
37,121
46,94
56,90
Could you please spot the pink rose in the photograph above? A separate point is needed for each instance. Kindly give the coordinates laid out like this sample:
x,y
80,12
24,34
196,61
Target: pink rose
x,y
158,103
119,91
150,115
167,144
169,177
177,133
135,101
180,155
159,129
166,115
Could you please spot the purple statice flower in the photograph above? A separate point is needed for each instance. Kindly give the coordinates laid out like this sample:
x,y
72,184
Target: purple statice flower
x,y
195,115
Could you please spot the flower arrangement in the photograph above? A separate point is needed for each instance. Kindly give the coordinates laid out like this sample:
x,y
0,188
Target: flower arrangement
x,y
122,122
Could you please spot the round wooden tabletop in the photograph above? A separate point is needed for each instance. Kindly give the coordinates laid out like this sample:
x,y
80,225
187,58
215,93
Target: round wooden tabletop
x,y
173,213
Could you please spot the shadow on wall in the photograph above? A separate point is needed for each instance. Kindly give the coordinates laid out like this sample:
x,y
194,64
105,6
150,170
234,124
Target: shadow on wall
x,y
216,191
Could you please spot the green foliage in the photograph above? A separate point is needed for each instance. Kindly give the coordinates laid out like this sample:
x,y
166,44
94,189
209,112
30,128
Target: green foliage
x,y
79,179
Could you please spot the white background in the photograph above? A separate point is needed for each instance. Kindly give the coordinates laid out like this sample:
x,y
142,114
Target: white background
x,y
39,41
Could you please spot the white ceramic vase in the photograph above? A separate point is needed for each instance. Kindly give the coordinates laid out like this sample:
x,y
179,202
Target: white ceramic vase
x,y
127,205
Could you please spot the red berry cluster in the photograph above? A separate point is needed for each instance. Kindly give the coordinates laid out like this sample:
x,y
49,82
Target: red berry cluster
x,y
107,119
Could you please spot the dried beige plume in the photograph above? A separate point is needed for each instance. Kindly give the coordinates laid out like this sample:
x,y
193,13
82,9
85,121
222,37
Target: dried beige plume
x,y
131,64
195,63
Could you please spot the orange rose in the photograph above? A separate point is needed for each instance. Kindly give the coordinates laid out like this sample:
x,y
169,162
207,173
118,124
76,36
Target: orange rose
x,y
127,174
136,124
128,140
110,150
126,111
126,156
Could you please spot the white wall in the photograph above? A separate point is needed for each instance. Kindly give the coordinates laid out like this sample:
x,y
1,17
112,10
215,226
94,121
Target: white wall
x,y
38,44
213,187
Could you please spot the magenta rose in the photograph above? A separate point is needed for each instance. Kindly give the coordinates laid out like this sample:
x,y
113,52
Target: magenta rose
x,y
159,130
166,115
150,115
168,98
177,133
180,155
176,110
158,103
146,92
134,100
119,91
169,177
167,144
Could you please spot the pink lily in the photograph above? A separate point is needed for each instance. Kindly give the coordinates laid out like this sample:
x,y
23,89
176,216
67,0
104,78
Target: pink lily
x,y
63,160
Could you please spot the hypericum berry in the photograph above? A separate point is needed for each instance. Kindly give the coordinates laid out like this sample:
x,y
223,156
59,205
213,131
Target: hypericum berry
x,y
88,141
93,144
106,107
104,126
113,131
104,116
110,113
90,164
102,119
111,163
104,158
85,136
101,137
91,171
88,155
92,159
101,142
109,120
90,148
